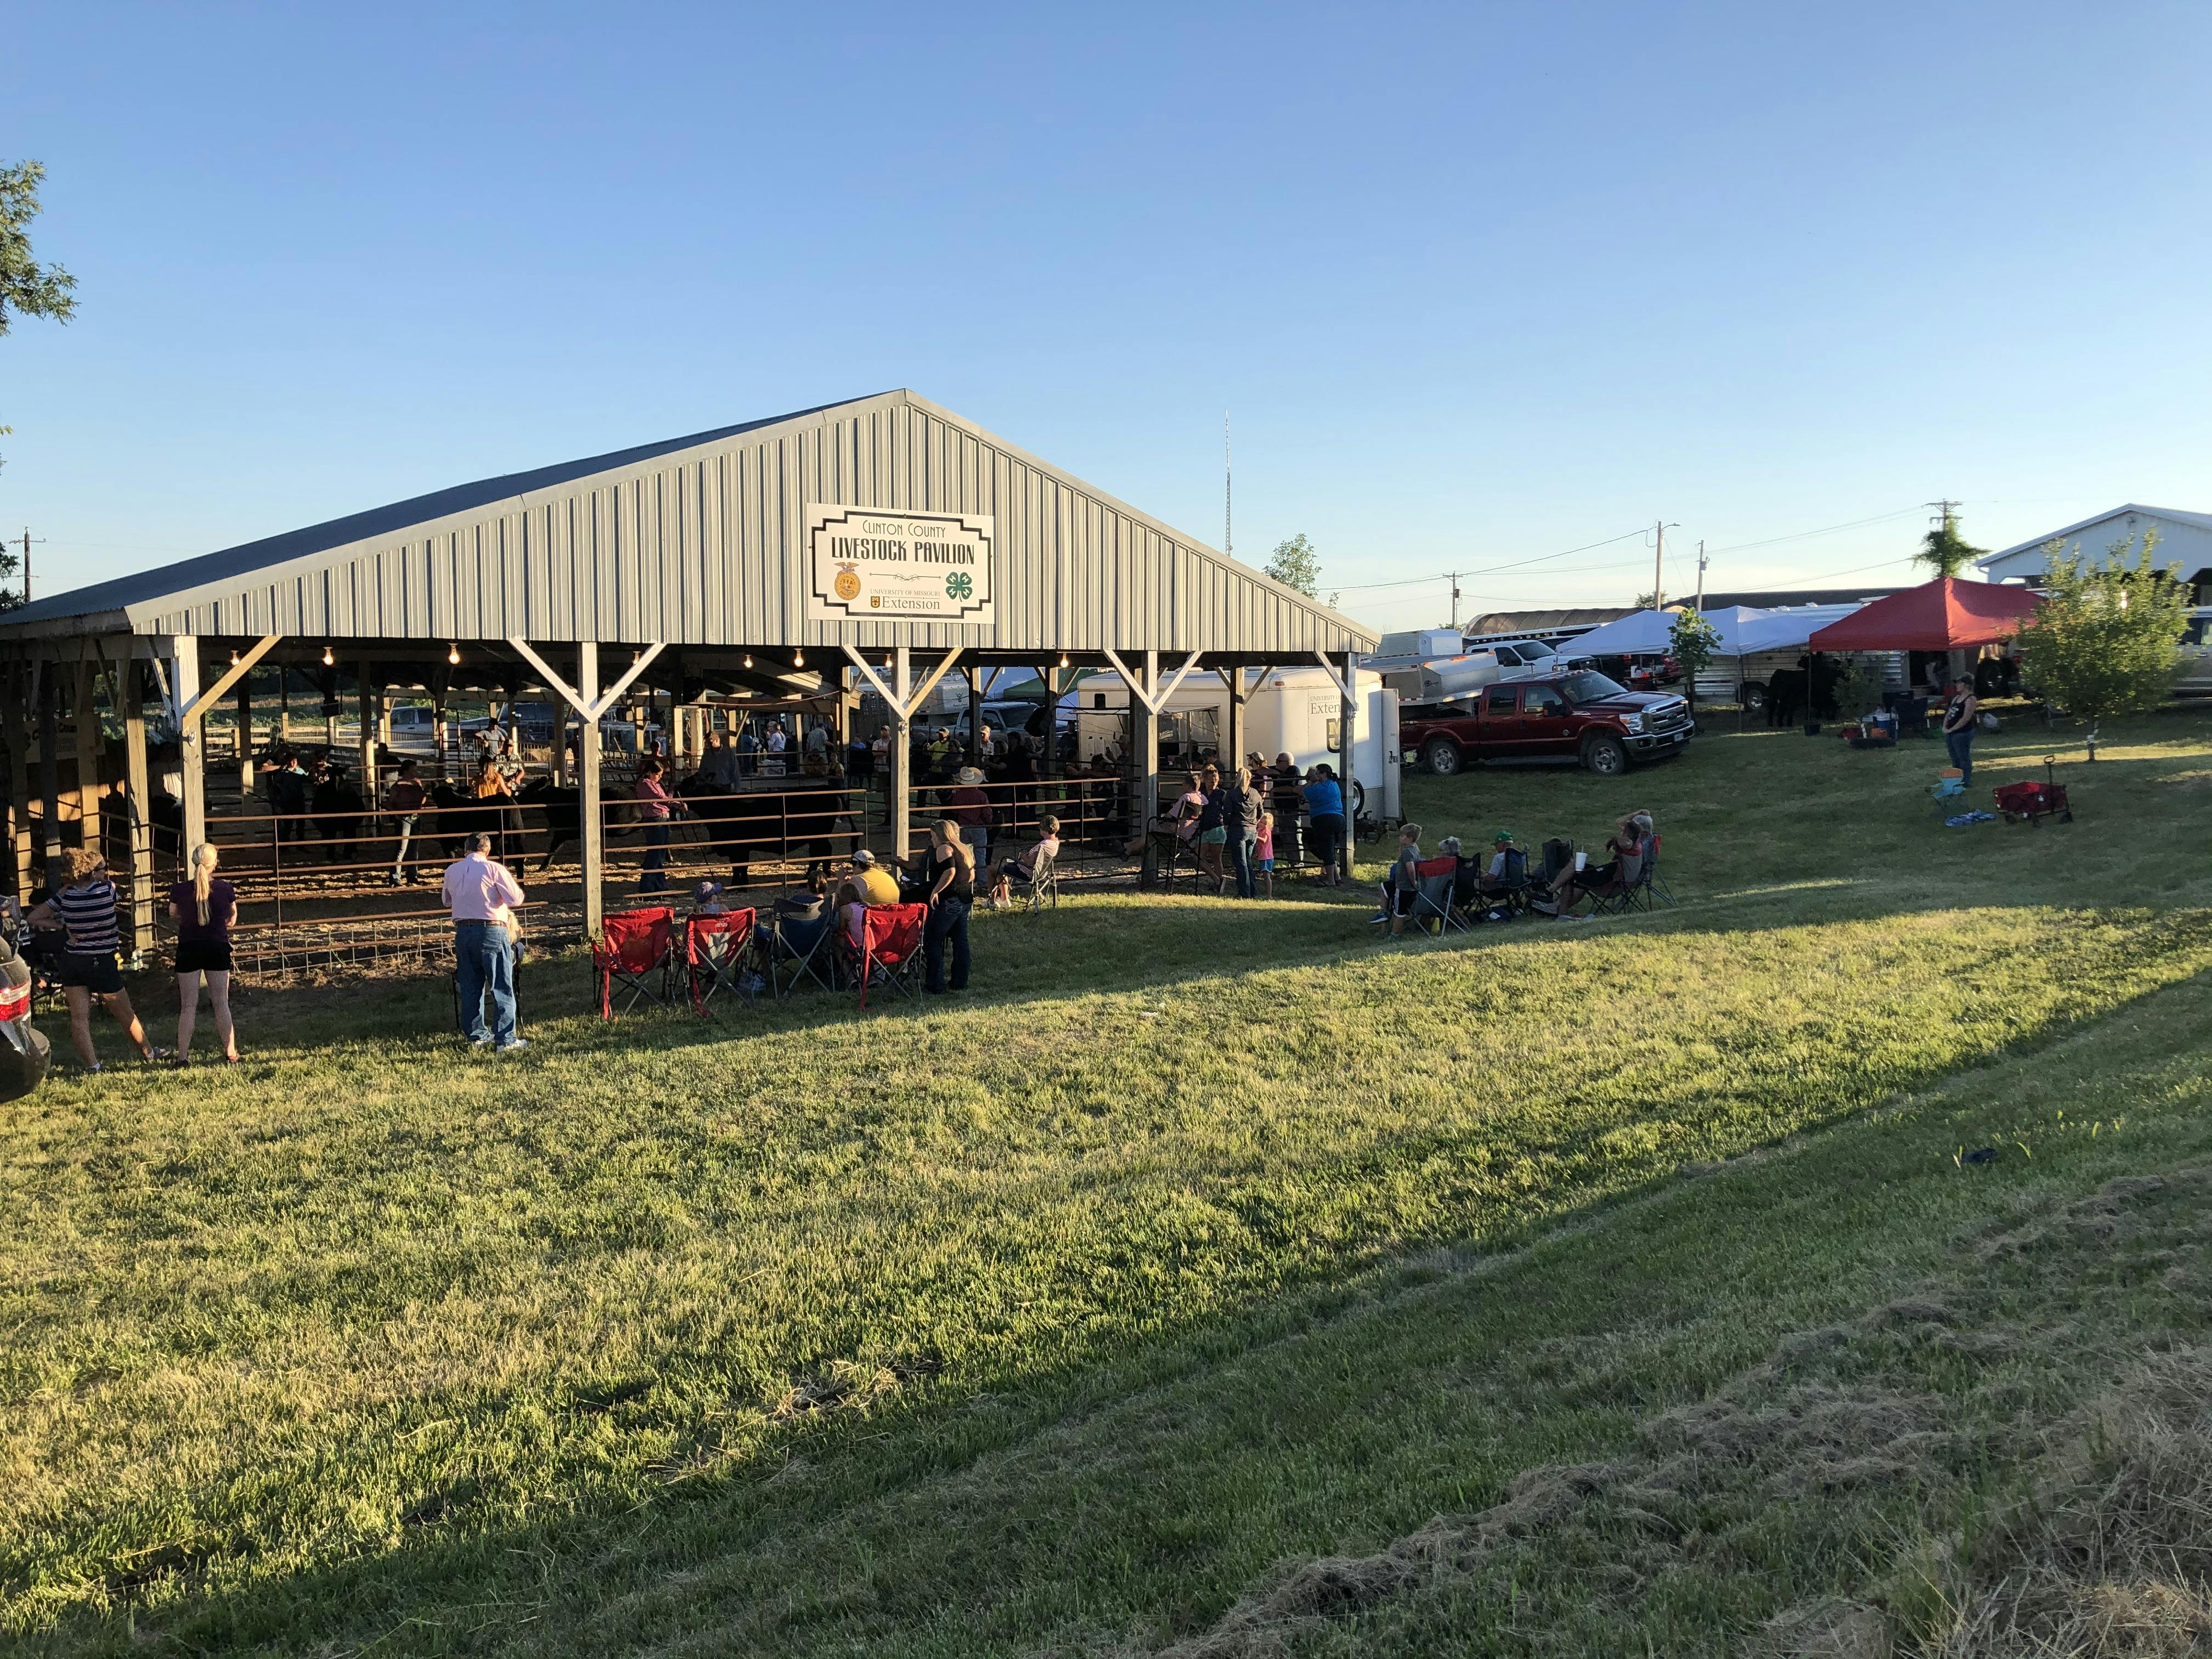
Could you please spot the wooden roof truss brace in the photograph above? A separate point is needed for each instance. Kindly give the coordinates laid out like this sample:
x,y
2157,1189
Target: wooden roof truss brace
x,y
593,713
901,702
1153,700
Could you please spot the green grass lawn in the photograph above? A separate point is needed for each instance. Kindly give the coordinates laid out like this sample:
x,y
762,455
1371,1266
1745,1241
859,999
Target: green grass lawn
x,y
1200,1240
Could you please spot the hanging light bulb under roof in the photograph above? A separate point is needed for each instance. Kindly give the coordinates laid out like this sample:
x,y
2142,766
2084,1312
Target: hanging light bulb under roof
x,y
749,660
798,659
453,654
1063,659
327,658
234,660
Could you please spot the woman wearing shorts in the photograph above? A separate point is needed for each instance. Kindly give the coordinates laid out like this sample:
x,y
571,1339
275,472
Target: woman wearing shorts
x,y
205,908
83,906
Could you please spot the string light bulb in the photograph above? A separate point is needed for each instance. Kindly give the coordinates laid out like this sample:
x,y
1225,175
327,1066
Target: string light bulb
x,y
1063,659
234,660
798,659
453,654
327,658
749,660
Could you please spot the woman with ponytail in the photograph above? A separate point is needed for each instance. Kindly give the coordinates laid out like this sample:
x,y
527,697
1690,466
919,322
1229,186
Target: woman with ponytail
x,y
203,908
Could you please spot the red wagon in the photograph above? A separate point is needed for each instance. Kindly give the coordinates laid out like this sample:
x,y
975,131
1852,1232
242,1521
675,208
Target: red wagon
x,y
2035,801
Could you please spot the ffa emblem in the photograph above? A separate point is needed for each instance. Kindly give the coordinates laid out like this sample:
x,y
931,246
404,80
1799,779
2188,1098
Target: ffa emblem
x,y
847,585
958,586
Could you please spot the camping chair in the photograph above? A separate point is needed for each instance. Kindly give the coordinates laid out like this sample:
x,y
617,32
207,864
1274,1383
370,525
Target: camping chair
x,y
799,949
714,955
1631,895
637,951
891,947
1511,895
1043,882
1433,880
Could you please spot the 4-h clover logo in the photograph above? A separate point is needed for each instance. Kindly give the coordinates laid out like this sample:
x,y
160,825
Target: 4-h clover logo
x,y
959,585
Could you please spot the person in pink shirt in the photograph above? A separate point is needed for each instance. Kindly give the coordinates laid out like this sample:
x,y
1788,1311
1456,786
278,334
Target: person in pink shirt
x,y
653,804
482,894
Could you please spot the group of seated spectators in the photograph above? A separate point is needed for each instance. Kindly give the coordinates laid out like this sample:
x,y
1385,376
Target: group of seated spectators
x,y
1506,884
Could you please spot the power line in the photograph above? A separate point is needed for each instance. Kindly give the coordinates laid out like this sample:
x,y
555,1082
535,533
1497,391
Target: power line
x,y
1807,534
1517,564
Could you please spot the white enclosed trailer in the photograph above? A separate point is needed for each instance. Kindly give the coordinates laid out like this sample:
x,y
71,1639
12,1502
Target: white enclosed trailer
x,y
1292,711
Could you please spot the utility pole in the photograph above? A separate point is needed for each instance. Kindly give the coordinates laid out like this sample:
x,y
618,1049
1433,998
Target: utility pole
x,y
1454,574
1949,509
1658,563
27,562
1701,578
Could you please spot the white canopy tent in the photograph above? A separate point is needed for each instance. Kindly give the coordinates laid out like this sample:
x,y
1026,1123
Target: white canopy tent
x,y
1649,632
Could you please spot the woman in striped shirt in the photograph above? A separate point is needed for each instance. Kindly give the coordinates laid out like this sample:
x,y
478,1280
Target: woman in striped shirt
x,y
82,905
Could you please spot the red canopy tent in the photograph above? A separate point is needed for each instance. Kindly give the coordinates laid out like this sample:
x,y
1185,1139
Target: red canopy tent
x,y
1945,614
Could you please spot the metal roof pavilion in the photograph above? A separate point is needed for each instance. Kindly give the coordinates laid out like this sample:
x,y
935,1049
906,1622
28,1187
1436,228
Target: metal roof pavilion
x,y
886,535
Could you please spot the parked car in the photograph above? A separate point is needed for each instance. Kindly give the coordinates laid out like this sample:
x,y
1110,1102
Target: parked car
x,y
23,1052
2194,679
1581,717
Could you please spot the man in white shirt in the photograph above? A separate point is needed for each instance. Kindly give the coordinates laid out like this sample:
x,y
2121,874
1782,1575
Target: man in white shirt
x,y
776,740
482,894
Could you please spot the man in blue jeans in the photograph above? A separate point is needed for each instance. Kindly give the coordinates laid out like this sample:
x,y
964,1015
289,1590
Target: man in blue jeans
x,y
482,894
1961,716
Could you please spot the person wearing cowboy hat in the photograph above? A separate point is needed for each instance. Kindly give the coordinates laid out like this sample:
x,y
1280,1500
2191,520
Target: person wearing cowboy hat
x,y
970,808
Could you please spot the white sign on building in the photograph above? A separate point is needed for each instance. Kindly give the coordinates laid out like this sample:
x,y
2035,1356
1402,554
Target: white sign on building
x,y
867,566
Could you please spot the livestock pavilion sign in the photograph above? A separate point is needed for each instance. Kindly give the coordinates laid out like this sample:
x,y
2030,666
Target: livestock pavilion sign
x,y
867,566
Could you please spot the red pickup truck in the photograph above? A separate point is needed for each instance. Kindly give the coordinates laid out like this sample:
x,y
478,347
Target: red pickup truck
x,y
1580,716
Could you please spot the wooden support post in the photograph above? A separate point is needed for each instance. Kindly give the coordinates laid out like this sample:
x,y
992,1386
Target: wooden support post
x,y
369,793
13,719
975,715
1234,679
84,719
139,782
1144,764
245,736
284,706
48,693
591,822
1347,732
192,738
901,753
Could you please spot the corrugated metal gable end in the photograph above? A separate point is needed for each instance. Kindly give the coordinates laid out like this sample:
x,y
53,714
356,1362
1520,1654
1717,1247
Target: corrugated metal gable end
x,y
703,547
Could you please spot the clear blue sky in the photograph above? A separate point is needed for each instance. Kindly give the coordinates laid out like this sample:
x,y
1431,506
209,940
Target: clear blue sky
x,y
1476,283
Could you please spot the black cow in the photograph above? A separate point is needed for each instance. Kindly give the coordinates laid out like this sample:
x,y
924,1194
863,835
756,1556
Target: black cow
x,y
1785,697
564,817
455,816
805,813
334,802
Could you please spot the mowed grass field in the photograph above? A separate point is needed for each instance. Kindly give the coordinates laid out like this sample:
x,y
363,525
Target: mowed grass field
x,y
1202,1241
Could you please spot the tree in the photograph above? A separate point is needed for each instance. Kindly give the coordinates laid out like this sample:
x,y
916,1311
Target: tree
x,y
1945,552
1693,642
2104,641
1296,564
26,288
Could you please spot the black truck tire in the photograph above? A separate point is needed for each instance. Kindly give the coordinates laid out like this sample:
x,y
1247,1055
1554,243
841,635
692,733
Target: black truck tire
x,y
1441,756
1606,755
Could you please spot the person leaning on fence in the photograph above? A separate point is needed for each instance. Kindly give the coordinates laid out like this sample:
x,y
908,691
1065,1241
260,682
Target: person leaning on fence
x,y
969,807
653,804
1024,867
482,894
204,909
83,906
1324,799
405,800
951,893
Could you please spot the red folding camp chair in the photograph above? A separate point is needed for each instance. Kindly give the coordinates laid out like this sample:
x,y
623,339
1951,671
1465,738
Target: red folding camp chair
x,y
714,955
637,951
890,946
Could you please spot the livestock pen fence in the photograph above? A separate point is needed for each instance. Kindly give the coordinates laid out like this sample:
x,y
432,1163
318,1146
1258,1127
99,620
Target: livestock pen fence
x,y
316,890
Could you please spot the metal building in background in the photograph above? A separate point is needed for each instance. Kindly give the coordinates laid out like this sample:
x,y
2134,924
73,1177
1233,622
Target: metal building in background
x,y
882,541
